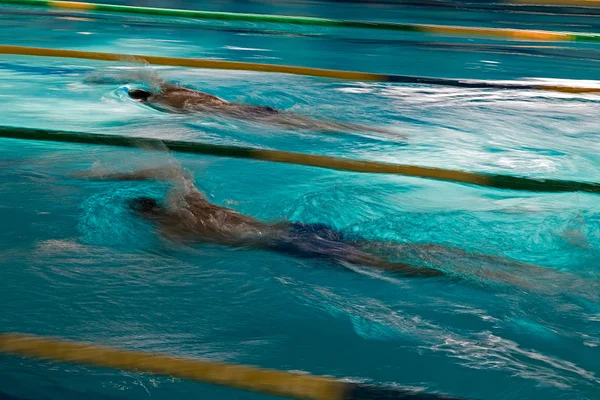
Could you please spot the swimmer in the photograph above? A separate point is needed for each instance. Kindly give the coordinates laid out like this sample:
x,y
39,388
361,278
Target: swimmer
x,y
174,98
187,215
181,99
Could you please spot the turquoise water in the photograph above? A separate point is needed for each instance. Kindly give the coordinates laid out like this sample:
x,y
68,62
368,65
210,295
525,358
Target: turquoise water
x,y
74,263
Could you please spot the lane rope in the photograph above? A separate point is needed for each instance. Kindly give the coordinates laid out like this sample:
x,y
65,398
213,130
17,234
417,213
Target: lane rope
x,y
287,69
269,382
503,33
335,163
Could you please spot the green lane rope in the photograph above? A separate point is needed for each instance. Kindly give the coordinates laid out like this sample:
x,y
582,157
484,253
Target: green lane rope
x,y
286,69
335,163
269,382
510,34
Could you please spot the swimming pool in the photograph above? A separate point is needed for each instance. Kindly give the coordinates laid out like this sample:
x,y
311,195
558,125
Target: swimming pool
x,y
76,264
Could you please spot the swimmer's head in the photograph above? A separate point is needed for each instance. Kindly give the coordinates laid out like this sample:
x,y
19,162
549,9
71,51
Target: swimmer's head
x,y
147,207
139,94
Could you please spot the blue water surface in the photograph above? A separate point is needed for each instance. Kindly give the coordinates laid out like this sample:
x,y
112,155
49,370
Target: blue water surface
x,y
76,264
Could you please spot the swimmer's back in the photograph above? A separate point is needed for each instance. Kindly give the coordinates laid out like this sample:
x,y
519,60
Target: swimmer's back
x,y
182,98
178,97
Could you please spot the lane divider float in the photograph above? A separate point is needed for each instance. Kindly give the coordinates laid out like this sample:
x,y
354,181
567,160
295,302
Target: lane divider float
x,y
288,69
269,382
501,33
497,181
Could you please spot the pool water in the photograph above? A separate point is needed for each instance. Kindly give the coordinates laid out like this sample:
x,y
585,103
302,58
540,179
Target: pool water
x,y
75,264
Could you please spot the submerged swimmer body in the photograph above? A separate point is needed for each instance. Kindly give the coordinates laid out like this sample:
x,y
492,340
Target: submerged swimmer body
x,y
180,99
186,215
